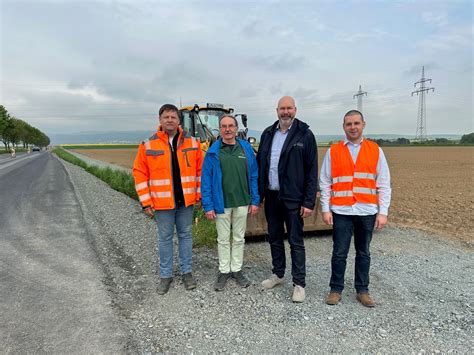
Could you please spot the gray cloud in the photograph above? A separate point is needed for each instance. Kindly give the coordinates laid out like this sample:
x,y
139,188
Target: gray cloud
x,y
279,62
106,64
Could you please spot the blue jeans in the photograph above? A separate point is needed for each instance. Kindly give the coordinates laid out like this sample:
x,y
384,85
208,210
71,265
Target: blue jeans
x,y
166,220
343,226
278,215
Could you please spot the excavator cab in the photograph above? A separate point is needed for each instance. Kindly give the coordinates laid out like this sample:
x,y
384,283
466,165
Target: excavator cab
x,y
203,122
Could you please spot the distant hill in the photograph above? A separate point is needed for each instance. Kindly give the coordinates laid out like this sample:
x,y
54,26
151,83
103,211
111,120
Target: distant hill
x,y
134,137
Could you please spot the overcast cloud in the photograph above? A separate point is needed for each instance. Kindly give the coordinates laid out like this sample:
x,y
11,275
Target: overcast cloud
x,y
71,66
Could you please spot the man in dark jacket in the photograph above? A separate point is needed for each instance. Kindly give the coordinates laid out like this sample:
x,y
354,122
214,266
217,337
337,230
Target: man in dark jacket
x,y
288,169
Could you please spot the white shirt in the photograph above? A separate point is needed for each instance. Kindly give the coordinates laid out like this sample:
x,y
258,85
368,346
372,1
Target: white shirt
x,y
278,141
382,182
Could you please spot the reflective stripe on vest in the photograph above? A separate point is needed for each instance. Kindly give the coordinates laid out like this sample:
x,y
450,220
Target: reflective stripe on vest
x,y
365,190
144,197
188,178
364,176
190,190
160,182
164,194
141,186
342,179
347,193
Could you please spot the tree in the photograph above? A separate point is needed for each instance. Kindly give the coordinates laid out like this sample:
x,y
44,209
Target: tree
x,y
467,139
403,141
14,131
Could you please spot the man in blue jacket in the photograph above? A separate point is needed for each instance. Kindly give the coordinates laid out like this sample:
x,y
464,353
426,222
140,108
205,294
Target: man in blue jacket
x,y
229,191
288,181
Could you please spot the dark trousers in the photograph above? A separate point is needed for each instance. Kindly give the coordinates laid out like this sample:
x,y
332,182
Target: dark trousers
x,y
343,227
278,214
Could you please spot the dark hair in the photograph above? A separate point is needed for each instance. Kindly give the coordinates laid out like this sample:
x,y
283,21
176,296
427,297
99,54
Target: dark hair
x,y
168,107
353,113
231,116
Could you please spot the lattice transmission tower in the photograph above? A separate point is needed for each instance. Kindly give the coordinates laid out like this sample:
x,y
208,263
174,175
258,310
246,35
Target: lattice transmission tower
x,y
359,94
421,134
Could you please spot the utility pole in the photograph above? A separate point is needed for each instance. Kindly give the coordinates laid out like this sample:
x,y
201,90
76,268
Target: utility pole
x,y
359,95
421,134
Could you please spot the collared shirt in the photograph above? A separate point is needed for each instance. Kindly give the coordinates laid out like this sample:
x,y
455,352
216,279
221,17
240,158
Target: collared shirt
x,y
277,144
382,181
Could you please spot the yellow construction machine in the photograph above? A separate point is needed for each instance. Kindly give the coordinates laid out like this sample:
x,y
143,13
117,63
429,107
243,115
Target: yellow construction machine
x,y
203,122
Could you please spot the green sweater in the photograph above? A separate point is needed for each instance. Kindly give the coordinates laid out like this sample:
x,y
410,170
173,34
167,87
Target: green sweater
x,y
235,184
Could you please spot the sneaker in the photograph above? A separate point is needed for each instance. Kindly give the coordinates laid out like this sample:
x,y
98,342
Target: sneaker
x,y
272,281
221,281
241,279
189,281
365,299
164,285
333,298
298,294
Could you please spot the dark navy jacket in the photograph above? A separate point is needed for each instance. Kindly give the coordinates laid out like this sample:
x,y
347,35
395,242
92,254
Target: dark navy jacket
x,y
211,177
297,168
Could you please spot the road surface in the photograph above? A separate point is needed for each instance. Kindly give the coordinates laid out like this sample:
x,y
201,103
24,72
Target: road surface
x,y
52,296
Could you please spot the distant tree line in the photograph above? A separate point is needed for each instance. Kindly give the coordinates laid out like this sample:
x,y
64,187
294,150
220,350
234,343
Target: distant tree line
x,y
465,139
15,132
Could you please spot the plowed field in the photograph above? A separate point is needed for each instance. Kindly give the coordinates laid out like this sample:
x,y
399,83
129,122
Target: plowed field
x,y
432,187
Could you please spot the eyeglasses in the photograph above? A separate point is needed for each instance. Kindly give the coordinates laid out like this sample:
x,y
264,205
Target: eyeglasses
x,y
225,126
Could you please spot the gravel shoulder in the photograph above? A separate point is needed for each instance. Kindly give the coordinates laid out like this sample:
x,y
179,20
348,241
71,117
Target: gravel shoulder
x,y
423,286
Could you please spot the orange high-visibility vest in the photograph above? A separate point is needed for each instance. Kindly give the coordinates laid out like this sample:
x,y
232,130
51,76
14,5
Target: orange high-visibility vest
x,y
351,182
154,177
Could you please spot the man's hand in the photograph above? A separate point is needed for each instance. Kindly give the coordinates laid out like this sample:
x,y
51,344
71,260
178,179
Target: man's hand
x,y
211,215
198,204
149,211
253,210
380,221
327,218
305,212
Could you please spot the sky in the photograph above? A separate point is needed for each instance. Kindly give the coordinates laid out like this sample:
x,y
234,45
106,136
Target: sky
x,y
75,66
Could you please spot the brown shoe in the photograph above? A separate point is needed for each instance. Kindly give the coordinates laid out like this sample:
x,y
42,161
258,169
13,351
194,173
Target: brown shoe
x,y
365,299
333,298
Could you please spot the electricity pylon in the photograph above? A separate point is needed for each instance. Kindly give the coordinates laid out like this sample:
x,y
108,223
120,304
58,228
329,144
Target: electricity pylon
x,y
359,95
421,134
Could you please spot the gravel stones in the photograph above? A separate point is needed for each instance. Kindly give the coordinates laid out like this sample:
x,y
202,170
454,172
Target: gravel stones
x,y
422,286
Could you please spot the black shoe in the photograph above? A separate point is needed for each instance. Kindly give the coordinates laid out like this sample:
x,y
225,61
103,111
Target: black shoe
x,y
221,281
164,285
189,281
241,279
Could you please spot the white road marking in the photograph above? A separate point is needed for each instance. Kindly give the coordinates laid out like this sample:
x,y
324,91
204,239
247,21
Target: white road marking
x,y
17,160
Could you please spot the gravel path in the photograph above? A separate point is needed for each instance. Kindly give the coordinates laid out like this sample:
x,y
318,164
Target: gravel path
x,y
423,287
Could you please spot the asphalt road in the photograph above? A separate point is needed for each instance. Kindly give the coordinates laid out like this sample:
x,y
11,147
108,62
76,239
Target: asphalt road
x,y
52,298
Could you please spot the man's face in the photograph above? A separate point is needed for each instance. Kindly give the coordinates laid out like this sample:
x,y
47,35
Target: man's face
x,y
353,127
286,111
169,121
228,128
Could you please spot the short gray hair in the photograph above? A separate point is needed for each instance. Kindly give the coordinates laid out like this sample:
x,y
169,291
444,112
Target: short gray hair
x,y
231,116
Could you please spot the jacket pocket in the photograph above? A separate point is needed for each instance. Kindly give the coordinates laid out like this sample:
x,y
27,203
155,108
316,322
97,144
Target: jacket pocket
x,y
156,159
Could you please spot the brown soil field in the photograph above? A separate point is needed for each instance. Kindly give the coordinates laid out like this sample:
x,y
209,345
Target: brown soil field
x,y
432,187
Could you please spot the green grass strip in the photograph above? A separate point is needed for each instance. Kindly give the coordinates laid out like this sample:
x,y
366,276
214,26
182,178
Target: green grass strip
x,y
204,231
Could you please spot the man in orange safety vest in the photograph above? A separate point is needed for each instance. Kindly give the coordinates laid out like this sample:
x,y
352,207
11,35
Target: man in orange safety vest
x,y
167,173
355,197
